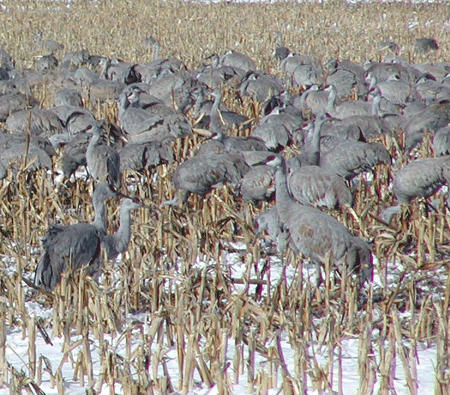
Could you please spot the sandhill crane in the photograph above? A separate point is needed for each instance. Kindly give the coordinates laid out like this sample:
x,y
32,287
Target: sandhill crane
x,y
346,76
203,109
239,62
258,183
74,246
350,158
13,102
293,60
141,156
140,99
204,106
36,121
276,128
74,153
6,61
395,90
76,58
144,126
68,97
433,118
280,51
316,234
117,243
15,147
441,141
426,44
346,108
260,85
50,45
419,178
74,119
312,98
234,144
214,75
46,62
103,161
135,120
269,221
118,70
202,173
306,75
313,185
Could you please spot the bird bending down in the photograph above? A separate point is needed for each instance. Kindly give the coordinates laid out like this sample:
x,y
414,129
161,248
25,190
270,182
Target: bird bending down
x,y
71,247
201,173
103,161
316,234
117,243
420,178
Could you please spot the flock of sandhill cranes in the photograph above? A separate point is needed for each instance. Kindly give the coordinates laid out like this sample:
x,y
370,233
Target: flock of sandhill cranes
x,y
339,107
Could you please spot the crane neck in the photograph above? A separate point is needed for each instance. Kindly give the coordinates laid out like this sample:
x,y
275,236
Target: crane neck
x,y
95,139
215,118
312,143
373,81
200,100
376,106
123,104
332,99
99,214
123,234
284,200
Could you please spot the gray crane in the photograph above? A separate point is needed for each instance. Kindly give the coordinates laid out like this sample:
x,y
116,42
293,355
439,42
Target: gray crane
x,y
117,243
138,157
16,147
258,183
281,51
50,45
396,91
203,109
234,144
350,158
426,44
316,234
13,102
310,184
144,126
103,161
202,173
260,85
220,122
269,221
68,97
346,76
71,247
419,178
441,141
239,62
346,108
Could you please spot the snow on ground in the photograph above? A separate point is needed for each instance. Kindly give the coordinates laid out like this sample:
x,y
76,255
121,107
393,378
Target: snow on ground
x,y
17,352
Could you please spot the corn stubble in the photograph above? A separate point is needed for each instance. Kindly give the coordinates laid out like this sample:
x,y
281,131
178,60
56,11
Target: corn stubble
x,y
223,329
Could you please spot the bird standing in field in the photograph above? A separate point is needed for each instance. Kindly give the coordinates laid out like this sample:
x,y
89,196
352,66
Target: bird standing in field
x,y
103,161
420,178
201,173
71,247
316,234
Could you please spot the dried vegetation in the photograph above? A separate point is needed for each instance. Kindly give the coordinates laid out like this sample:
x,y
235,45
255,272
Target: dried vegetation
x,y
176,273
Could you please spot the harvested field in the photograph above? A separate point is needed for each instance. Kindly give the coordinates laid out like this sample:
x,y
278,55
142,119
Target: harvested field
x,y
200,300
